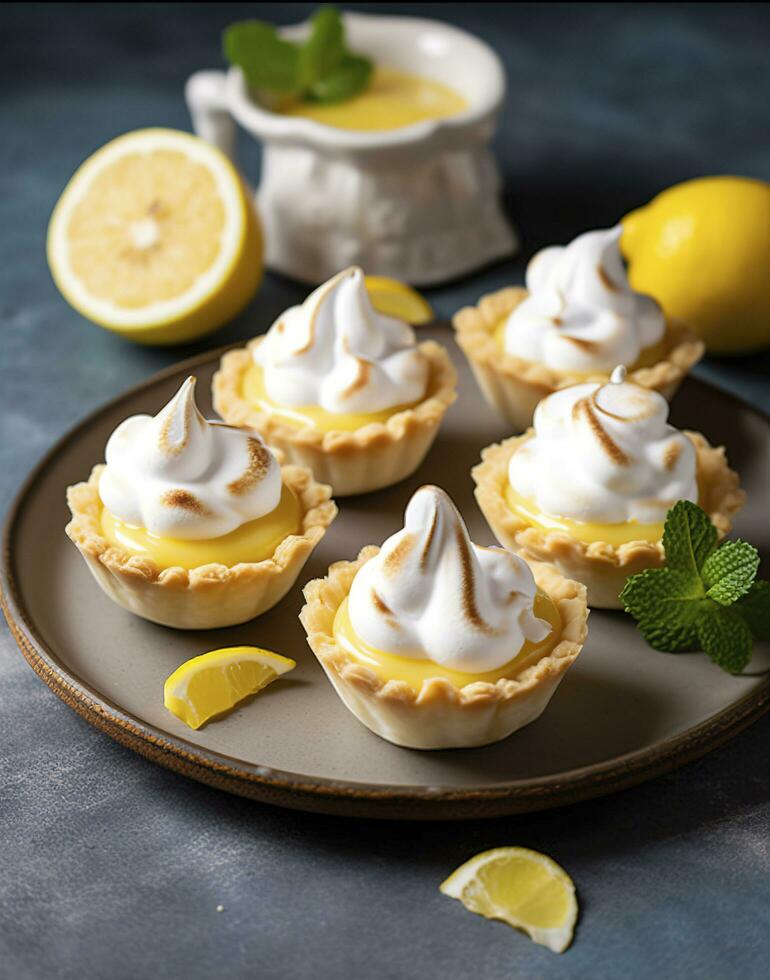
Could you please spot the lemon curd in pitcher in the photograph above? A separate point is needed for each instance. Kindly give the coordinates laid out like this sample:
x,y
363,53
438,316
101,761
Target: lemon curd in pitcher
x,y
391,100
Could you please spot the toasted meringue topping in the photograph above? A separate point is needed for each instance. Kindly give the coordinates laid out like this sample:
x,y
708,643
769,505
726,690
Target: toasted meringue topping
x,y
337,352
605,454
581,313
180,476
430,594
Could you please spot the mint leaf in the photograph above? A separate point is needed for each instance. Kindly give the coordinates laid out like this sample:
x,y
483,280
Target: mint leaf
x,y
725,637
324,48
729,571
689,537
265,59
348,78
666,604
706,595
754,608
319,69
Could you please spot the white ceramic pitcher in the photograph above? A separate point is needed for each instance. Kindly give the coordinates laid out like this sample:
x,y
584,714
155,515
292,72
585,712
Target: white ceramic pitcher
x,y
420,203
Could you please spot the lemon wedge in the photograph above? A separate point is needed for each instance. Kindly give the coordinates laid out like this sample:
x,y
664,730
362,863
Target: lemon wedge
x,y
524,888
156,237
393,298
214,683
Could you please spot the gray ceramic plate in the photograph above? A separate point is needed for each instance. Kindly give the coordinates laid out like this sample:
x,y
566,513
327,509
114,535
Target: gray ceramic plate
x,y
624,713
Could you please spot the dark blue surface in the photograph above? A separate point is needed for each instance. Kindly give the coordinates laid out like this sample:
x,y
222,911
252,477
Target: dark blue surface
x,y
111,867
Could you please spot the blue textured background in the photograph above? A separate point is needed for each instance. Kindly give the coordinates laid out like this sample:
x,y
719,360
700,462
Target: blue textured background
x,y
111,867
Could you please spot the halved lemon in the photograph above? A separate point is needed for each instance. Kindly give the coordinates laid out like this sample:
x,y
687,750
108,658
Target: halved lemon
x,y
212,684
156,237
524,888
396,299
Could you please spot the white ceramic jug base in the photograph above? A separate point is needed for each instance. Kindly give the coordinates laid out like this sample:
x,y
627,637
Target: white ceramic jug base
x,y
424,224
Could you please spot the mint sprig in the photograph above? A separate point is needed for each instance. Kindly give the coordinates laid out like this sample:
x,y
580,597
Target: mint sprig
x,y
707,597
318,69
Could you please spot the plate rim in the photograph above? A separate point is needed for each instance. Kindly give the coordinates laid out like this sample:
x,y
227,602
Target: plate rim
x,y
325,794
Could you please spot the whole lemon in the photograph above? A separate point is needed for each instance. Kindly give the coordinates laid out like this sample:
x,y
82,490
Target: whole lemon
x,y
702,249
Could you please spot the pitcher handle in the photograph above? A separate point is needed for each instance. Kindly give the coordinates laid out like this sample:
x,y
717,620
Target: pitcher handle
x,y
211,119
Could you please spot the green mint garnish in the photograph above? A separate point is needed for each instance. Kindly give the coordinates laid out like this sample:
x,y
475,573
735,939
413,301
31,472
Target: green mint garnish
x,y
754,606
319,69
324,49
707,597
266,60
350,76
664,602
689,537
725,637
729,572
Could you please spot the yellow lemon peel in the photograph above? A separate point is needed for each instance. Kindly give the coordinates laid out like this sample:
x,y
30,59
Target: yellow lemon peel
x,y
702,249
523,888
393,298
211,685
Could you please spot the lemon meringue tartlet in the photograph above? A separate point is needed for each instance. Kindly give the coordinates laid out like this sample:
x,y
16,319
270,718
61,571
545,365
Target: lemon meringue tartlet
x,y
193,523
576,320
433,642
588,487
340,388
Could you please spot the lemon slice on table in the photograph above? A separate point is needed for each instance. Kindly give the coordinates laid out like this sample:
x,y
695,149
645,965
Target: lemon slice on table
x,y
396,299
156,237
524,888
214,683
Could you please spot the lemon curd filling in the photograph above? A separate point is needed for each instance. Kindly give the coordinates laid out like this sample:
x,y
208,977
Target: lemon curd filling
x,y
648,356
253,390
614,534
393,667
391,100
252,542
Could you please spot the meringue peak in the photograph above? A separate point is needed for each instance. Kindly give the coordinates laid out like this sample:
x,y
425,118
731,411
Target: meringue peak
x,y
179,475
605,454
337,352
176,420
432,594
443,538
581,313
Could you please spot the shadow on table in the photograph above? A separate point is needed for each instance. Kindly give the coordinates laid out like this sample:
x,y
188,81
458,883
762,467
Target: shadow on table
x,y
691,799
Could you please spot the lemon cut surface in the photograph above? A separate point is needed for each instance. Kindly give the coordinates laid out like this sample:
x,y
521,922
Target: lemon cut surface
x,y
523,888
211,685
156,237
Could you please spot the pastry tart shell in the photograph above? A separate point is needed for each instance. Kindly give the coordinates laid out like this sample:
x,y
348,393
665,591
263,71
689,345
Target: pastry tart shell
x,y
209,596
602,567
440,715
513,386
370,458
